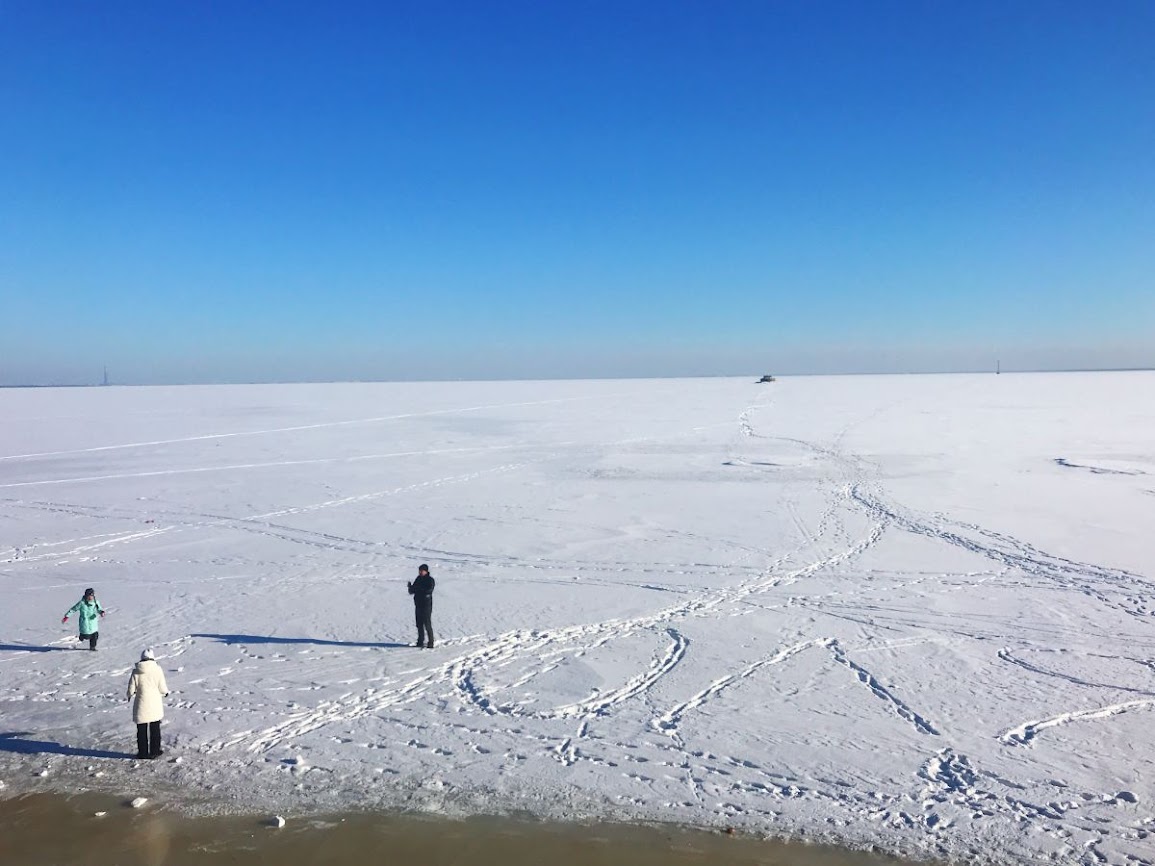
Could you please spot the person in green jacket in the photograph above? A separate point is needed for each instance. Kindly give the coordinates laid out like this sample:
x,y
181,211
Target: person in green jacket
x,y
90,612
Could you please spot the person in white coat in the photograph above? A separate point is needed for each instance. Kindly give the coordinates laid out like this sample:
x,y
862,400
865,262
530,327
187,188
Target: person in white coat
x,y
147,686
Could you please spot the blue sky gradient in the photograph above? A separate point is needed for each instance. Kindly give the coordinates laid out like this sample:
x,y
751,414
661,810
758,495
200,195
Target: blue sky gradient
x,y
302,191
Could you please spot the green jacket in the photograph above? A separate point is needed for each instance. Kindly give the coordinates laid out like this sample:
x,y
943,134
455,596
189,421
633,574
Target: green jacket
x,y
89,615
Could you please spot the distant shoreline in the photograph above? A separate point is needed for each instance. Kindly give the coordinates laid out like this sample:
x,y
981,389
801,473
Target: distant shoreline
x,y
753,376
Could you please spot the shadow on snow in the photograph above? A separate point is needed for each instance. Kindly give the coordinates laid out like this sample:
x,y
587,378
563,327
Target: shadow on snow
x,y
25,648
232,639
14,742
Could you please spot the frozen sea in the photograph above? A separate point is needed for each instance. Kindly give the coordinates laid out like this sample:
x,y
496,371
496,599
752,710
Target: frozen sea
x,y
910,612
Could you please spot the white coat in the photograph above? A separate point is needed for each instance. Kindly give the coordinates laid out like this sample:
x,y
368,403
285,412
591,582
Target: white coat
x,y
147,685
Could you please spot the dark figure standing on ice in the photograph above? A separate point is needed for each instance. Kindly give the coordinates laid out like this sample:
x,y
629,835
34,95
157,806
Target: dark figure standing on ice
x,y
147,685
90,612
422,591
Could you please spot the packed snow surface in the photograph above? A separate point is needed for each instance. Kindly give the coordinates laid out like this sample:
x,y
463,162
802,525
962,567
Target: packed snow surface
x,y
916,612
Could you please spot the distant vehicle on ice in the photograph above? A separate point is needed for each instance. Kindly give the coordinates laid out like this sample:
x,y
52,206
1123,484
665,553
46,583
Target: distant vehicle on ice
x,y
767,378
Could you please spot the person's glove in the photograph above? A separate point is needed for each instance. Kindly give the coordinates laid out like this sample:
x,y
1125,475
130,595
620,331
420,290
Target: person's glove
x,y
65,619
102,613
409,584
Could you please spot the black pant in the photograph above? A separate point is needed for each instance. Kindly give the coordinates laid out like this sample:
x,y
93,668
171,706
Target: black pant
x,y
148,739
91,638
424,612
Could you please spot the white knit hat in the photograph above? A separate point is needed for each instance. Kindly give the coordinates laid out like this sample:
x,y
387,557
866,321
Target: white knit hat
x,y
147,656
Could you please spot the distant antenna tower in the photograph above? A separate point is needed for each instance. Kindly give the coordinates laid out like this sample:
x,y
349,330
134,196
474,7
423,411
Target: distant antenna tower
x,y
105,382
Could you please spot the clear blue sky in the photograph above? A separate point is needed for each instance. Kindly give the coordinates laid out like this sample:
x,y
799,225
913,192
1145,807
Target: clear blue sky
x,y
264,191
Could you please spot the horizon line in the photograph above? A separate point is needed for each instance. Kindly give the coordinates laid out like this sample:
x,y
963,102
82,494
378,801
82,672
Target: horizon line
x,y
998,372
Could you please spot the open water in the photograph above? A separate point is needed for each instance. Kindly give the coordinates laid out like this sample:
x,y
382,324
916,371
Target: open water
x,y
49,830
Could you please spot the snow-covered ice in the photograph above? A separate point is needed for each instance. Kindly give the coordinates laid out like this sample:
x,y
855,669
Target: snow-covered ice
x,y
915,612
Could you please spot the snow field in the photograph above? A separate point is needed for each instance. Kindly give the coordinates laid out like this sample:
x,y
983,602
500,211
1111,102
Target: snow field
x,y
911,612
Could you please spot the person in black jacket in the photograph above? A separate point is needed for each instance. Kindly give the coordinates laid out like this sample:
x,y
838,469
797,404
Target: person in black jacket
x,y
422,591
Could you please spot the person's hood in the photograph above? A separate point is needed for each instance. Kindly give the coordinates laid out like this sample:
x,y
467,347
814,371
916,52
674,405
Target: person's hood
x,y
142,666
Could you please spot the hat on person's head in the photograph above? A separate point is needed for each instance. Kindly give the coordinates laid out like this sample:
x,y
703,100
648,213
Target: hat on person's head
x,y
423,567
90,591
147,656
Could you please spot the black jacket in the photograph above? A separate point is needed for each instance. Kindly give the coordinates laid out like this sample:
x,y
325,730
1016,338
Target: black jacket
x,y
422,589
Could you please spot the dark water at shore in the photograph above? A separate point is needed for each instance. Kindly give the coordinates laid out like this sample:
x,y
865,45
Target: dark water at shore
x,y
44,830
